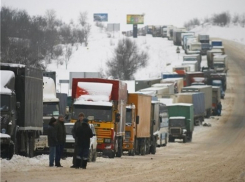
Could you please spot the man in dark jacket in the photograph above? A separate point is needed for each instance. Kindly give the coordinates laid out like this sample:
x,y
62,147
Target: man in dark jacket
x,y
83,134
219,108
61,137
52,141
74,129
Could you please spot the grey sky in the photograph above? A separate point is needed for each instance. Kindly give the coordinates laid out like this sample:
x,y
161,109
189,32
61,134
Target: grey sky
x,y
158,12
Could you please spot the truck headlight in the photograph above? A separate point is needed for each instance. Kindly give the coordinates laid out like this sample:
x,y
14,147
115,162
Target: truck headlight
x,y
107,140
184,130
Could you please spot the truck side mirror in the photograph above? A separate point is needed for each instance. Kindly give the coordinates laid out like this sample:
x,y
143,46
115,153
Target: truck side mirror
x,y
17,105
117,117
137,119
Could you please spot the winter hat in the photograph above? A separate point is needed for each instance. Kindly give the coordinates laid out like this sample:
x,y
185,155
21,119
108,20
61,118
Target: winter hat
x,y
85,120
52,120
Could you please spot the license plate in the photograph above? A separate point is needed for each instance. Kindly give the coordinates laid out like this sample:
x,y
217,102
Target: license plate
x,y
100,140
70,150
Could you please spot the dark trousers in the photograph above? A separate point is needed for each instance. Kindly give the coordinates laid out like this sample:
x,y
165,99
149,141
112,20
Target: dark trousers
x,y
59,153
83,153
52,151
74,155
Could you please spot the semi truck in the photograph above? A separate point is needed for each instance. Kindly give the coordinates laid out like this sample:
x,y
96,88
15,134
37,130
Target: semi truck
x,y
181,122
207,90
185,35
192,77
193,65
104,103
217,76
170,32
178,83
210,56
177,36
216,99
163,131
220,64
156,31
21,107
164,30
50,109
194,48
193,57
140,135
187,41
198,101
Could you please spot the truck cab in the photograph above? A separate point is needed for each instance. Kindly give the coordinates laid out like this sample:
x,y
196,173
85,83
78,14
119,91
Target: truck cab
x,y
50,109
130,127
181,121
219,63
194,48
218,83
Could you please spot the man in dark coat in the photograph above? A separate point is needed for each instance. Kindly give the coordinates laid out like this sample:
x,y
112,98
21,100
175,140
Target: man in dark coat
x,y
52,141
61,137
83,134
74,129
219,108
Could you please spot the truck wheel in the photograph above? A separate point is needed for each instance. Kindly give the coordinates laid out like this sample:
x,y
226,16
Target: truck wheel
x,y
166,140
31,146
153,146
94,156
190,137
171,139
10,150
143,148
184,139
119,152
90,157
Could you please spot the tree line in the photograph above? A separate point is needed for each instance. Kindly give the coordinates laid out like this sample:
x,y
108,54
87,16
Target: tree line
x,y
29,39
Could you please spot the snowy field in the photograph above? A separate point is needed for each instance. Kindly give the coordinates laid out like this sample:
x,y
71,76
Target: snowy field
x,y
162,53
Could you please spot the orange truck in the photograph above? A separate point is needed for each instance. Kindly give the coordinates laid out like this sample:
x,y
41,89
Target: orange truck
x,y
140,138
104,103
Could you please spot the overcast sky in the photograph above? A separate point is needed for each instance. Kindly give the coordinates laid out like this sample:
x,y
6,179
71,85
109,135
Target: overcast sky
x,y
157,12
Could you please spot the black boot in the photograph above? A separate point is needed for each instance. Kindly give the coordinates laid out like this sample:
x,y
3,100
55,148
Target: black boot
x,y
84,164
78,163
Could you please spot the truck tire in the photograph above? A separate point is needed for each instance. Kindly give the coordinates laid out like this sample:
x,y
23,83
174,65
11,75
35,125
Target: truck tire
x,y
119,152
153,146
111,155
184,139
131,152
189,136
94,156
171,139
90,157
31,146
166,140
143,147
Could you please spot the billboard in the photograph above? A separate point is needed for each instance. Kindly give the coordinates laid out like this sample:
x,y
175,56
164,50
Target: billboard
x,y
100,17
135,19
111,27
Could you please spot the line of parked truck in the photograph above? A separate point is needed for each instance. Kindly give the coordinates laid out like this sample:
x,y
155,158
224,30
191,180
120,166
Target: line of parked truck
x,y
154,113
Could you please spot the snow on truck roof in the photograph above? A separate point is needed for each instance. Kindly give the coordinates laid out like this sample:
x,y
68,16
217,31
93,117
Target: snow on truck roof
x,y
14,65
6,76
179,104
92,103
2,135
177,117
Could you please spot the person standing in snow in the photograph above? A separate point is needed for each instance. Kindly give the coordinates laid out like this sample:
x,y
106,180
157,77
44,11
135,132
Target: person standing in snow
x,y
74,129
83,135
52,141
61,137
219,108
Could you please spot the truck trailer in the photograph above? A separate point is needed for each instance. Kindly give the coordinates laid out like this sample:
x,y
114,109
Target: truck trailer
x,y
21,106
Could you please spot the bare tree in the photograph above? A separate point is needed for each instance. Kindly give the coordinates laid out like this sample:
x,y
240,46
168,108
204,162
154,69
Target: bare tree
x,y
68,54
83,18
235,19
86,31
242,20
58,51
51,18
127,60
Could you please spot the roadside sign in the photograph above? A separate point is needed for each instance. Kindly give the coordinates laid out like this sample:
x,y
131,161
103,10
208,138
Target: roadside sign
x,y
101,17
135,19
64,81
111,27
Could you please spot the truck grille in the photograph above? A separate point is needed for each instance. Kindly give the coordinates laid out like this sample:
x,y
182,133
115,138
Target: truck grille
x,y
102,132
175,131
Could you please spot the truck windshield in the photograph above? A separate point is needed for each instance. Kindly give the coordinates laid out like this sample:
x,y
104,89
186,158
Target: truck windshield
x,y
5,102
100,113
177,123
50,109
129,115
